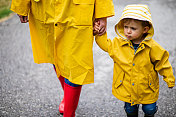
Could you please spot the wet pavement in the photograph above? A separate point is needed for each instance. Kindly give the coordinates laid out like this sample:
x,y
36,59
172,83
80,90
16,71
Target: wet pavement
x,y
31,90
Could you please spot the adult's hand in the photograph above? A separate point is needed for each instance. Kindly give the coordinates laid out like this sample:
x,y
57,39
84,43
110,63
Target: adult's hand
x,y
102,24
23,19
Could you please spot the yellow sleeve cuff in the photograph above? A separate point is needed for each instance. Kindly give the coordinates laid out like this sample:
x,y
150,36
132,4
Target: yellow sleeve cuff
x,y
104,8
21,7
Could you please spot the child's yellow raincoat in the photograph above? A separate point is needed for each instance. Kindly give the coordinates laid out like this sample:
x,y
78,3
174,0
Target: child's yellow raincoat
x,y
61,33
135,78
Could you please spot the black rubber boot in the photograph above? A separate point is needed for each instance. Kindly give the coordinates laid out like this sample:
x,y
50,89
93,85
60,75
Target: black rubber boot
x,y
148,115
132,115
135,114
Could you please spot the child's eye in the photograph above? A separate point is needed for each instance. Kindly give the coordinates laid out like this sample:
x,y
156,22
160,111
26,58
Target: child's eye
x,y
133,28
125,26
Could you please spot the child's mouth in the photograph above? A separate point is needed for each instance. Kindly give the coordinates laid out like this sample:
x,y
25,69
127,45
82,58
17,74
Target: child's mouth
x,y
128,36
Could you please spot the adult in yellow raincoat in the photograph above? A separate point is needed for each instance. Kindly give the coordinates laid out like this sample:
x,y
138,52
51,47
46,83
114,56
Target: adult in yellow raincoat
x,y
61,34
137,61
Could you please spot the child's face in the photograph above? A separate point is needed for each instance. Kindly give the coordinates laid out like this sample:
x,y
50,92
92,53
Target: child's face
x,y
134,30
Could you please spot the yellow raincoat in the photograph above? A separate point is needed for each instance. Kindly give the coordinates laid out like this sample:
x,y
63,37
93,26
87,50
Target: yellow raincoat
x,y
135,78
61,33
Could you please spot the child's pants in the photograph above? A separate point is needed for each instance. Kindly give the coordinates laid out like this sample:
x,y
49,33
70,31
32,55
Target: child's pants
x,y
71,84
148,109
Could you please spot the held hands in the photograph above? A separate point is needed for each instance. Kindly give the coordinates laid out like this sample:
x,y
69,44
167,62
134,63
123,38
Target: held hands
x,y
96,27
23,19
99,26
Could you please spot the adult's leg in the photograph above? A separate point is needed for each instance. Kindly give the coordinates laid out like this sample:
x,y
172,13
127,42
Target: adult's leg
x,y
131,111
61,79
149,109
71,96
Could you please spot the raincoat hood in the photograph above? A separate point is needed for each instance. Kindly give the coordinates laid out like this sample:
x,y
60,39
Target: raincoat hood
x,y
135,11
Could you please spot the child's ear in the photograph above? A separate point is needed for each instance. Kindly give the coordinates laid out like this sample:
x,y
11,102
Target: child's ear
x,y
146,29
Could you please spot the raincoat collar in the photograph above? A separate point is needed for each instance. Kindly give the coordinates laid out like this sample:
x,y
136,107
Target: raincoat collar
x,y
124,42
145,42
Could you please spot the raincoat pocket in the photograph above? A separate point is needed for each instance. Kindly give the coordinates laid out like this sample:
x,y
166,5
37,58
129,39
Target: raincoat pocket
x,y
119,80
83,1
152,81
83,12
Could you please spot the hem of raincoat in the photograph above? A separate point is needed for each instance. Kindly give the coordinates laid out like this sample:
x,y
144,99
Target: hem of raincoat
x,y
171,84
148,101
122,98
138,102
20,11
43,61
109,14
58,73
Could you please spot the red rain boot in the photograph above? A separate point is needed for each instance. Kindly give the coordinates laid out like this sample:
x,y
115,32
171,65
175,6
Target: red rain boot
x,y
62,80
61,105
71,97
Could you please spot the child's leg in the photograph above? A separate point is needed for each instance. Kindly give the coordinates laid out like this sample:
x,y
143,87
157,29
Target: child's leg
x,y
131,111
149,109
71,96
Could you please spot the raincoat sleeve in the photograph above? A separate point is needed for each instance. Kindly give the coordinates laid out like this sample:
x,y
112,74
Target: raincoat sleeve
x,y
20,7
104,8
159,58
104,43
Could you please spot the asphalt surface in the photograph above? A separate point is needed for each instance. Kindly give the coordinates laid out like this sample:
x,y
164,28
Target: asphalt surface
x,y
33,90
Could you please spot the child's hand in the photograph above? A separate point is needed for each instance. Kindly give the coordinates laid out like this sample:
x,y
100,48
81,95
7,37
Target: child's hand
x,y
96,27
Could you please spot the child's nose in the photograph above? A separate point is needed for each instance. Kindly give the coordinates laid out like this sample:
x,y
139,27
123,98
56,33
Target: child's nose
x,y
129,30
